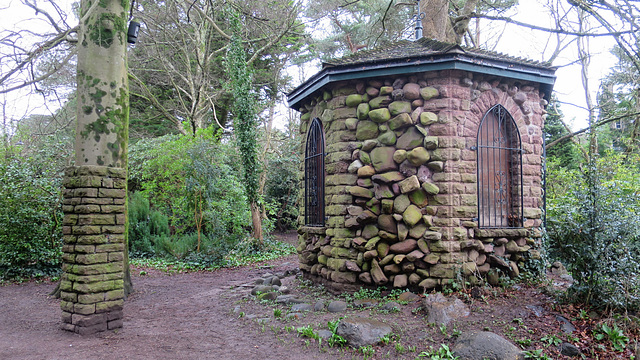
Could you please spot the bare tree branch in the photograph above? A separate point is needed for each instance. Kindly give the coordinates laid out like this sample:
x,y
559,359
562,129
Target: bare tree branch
x,y
542,28
31,56
592,127
150,97
42,77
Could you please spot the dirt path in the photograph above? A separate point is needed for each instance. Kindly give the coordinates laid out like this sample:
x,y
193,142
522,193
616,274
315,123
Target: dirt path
x,y
191,316
185,316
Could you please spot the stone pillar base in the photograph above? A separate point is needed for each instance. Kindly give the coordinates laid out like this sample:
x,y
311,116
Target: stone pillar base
x,y
92,285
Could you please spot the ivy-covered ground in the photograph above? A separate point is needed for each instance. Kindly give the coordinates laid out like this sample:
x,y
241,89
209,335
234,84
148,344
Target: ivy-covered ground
x,y
175,313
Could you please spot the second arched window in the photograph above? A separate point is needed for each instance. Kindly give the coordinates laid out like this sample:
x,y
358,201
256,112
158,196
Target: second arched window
x,y
499,156
314,175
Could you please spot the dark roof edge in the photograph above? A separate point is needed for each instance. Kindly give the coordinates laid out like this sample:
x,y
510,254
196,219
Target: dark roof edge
x,y
543,75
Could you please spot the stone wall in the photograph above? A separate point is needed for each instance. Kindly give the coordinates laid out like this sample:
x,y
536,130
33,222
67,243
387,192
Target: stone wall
x,y
92,286
401,184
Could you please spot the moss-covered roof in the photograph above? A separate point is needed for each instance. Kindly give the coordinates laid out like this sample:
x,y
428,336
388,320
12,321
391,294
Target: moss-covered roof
x,y
405,49
406,57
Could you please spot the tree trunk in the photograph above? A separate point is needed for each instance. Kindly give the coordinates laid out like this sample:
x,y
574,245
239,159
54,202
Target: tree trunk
x,y
461,26
103,91
263,158
56,292
128,284
102,130
256,219
436,23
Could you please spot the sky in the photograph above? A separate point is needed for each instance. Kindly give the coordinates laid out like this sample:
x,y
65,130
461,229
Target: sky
x,y
516,41
568,87
14,16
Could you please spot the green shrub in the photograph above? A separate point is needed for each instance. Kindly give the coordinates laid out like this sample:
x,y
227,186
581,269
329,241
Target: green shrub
x,y
212,252
148,228
214,192
188,178
156,168
30,219
283,184
594,228
193,187
178,246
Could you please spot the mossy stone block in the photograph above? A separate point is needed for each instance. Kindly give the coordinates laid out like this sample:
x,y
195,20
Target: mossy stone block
x,y
372,243
369,231
386,90
382,159
387,138
362,112
431,142
108,306
411,139
341,179
399,107
436,166
351,123
401,203
380,115
98,287
409,184
418,156
399,156
361,192
388,177
400,121
428,118
419,198
383,249
379,102
353,100
443,271
412,215
430,188
368,145
429,93
366,130
336,264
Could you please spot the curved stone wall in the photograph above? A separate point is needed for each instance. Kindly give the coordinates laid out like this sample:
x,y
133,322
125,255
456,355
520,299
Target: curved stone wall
x,y
401,184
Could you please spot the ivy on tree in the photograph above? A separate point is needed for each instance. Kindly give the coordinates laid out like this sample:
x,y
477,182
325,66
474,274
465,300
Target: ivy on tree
x,y
245,121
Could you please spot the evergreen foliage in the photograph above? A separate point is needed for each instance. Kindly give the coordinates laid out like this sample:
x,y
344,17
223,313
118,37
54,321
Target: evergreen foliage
x,y
148,228
283,184
172,170
30,217
594,228
619,100
566,154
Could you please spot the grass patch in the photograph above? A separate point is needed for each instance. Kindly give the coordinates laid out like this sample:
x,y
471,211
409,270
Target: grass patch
x,y
242,255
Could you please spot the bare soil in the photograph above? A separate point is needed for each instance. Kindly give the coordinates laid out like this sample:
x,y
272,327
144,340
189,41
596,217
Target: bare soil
x,y
209,315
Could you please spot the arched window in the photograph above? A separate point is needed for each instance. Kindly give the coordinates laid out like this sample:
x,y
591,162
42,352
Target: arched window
x,y
314,176
499,171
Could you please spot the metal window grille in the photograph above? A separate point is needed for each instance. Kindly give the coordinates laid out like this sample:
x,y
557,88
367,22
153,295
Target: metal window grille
x,y
314,175
499,155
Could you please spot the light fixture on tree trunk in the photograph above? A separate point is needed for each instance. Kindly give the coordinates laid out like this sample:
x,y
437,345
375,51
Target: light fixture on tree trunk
x,y
132,33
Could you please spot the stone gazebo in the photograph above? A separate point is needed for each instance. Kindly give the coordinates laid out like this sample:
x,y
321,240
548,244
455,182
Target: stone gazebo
x,y
423,165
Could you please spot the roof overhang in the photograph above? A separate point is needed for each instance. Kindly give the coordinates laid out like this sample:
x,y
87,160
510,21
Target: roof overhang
x,y
543,75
